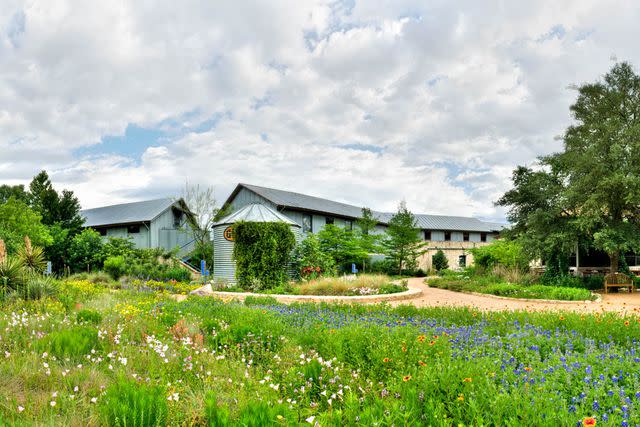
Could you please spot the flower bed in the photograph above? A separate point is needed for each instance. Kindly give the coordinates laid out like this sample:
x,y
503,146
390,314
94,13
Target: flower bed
x,y
203,361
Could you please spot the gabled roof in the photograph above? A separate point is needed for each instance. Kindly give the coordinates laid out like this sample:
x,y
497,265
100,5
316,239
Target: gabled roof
x,y
293,200
126,213
297,201
255,212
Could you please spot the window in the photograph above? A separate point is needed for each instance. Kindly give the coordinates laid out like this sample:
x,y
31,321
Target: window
x,y
307,224
462,261
447,236
465,236
348,225
427,235
133,229
102,231
483,237
177,218
329,220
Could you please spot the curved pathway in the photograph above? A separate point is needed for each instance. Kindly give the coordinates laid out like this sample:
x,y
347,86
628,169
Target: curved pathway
x,y
434,297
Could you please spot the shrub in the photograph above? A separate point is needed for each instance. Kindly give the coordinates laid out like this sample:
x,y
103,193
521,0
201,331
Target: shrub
x,y
129,404
178,274
506,253
88,316
309,261
439,261
385,266
36,287
74,343
115,266
262,251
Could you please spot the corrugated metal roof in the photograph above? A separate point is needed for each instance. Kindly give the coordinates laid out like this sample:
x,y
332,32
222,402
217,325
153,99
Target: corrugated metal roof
x,y
302,201
293,200
126,213
255,212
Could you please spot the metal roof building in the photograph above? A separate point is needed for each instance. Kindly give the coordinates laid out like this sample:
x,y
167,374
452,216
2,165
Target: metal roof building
x,y
288,202
159,223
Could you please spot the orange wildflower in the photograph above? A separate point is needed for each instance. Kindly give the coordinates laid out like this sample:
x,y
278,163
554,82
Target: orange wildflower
x,y
561,317
406,378
528,369
421,363
386,360
421,338
626,323
461,397
589,421
467,380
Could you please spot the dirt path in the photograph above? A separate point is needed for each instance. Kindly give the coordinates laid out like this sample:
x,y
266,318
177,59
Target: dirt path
x,y
433,297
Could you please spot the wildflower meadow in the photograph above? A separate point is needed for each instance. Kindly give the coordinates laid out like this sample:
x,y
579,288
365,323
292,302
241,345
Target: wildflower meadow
x,y
137,358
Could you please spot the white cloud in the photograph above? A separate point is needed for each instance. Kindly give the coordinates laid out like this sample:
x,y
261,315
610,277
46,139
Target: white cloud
x,y
453,97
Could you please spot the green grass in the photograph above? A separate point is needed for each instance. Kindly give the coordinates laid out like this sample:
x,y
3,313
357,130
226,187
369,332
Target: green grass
x,y
121,357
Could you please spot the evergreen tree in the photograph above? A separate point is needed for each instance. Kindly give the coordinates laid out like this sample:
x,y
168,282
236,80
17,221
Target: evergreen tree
x,y
403,244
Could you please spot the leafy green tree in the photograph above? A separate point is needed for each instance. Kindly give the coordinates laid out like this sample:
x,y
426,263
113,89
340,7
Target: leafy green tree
x,y
17,191
368,240
593,186
342,245
17,220
85,252
367,222
403,244
439,261
117,246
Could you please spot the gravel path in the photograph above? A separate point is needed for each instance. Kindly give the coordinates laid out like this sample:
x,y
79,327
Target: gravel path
x,y
432,297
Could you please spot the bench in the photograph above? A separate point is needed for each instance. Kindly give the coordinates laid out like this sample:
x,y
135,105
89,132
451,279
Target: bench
x,y
618,280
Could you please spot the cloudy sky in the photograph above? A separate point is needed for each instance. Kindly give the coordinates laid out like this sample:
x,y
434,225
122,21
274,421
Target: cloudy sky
x,y
367,102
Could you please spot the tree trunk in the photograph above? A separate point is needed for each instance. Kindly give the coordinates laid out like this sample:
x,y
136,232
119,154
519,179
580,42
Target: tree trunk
x,y
615,258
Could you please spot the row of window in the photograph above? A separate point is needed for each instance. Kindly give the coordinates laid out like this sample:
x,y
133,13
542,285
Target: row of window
x,y
307,227
447,236
307,223
131,229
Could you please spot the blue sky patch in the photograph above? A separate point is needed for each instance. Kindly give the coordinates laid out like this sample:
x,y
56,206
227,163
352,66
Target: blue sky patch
x,y
132,144
363,147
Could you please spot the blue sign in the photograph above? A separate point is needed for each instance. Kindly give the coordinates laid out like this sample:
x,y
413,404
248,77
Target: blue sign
x,y
48,270
203,267
354,270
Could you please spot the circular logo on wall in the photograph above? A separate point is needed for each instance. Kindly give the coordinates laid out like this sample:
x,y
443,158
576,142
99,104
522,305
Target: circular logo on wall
x,y
228,233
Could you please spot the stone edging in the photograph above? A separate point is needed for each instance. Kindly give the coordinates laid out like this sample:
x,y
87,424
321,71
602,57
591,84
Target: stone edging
x,y
553,301
408,294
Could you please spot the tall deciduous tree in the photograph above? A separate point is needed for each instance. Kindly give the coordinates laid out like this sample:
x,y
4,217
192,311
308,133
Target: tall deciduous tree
x,y
17,191
403,244
592,188
201,202
17,220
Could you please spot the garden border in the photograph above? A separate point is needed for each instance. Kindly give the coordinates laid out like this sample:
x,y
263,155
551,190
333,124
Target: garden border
x,y
411,293
553,301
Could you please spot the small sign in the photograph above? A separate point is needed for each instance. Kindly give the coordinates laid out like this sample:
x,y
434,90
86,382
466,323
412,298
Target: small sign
x,y
228,233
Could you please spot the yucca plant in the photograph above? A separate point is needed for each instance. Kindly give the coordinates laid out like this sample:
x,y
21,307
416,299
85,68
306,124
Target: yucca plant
x,y
11,271
32,257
